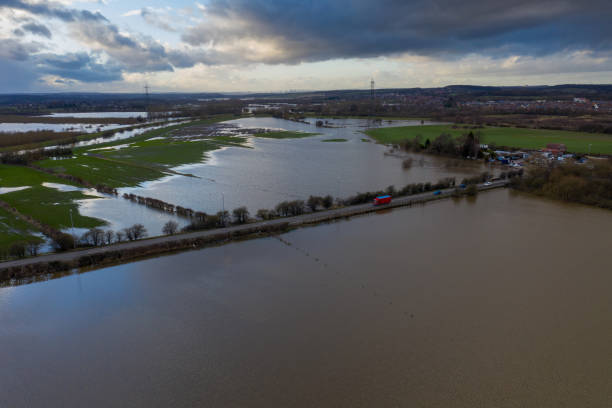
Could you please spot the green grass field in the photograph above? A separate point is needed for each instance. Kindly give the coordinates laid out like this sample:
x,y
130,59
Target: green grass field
x,y
143,159
576,142
45,204
98,170
17,176
284,134
13,229
51,206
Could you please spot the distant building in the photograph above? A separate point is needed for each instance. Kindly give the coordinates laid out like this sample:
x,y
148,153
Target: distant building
x,y
555,148
580,100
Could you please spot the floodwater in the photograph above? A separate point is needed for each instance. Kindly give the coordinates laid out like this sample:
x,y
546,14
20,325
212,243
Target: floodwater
x,y
502,301
274,170
57,127
98,115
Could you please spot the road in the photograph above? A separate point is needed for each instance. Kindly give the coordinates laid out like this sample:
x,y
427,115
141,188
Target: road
x,y
304,219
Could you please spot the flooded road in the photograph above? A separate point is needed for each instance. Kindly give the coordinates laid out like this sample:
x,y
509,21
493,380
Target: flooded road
x,y
503,301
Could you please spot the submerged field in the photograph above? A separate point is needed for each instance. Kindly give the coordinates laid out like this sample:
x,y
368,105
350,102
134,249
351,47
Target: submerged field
x,y
47,203
576,142
146,157
284,134
13,229
44,203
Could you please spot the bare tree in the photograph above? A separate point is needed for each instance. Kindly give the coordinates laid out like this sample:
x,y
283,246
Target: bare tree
x,y
96,235
170,228
241,215
18,250
263,214
327,201
33,247
109,235
313,202
135,232
119,236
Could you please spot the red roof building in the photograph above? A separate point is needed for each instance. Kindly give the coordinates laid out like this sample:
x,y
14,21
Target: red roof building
x,y
555,148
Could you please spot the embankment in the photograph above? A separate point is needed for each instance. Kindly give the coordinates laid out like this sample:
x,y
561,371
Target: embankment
x,y
30,268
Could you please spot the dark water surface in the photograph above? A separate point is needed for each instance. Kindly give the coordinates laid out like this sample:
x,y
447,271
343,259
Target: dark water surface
x,y
499,302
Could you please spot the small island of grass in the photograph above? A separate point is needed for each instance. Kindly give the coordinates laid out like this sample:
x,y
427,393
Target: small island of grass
x,y
334,140
284,134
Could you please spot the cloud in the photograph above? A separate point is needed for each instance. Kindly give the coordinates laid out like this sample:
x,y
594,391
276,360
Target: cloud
x,y
36,29
156,19
134,54
13,49
77,66
51,9
284,31
131,13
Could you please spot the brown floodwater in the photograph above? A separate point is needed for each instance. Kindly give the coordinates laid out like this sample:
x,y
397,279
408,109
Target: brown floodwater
x,y
504,301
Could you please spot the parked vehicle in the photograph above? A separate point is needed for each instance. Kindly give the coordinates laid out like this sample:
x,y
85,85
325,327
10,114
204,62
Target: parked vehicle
x,y
437,192
384,199
488,183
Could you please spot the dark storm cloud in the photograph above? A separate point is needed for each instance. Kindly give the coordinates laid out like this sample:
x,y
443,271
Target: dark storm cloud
x,y
325,29
36,29
12,49
51,9
78,66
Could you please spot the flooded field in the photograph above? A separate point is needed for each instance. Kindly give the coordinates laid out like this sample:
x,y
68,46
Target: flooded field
x,y
98,115
57,127
489,302
274,170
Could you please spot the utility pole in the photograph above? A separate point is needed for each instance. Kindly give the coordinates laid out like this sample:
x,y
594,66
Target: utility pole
x,y
146,87
72,223
372,84
372,97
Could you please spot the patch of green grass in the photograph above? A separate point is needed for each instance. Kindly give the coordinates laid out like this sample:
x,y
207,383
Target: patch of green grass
x,y
98,170
17,176
284,134
14,229
144,159
363,139
314,115
44,204
51,206
169,152
577,142
334,140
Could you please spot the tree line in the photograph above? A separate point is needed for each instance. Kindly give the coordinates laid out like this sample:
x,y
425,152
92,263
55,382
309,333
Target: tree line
x,y
589,184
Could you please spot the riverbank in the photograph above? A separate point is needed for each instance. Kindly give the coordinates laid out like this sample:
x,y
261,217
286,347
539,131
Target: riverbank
x,y
28,269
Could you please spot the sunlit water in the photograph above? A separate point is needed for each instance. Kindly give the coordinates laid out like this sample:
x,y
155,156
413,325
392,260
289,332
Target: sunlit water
x,y
499,302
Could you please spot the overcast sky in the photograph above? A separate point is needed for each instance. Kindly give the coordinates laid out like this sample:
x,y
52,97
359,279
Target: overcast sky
x,y
280,45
